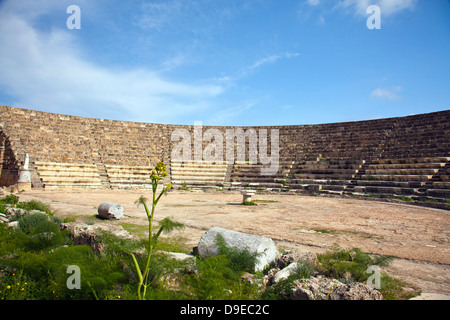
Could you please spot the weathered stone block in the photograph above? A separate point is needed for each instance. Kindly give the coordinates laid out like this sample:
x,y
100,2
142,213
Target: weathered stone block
x,y
109,210
265,247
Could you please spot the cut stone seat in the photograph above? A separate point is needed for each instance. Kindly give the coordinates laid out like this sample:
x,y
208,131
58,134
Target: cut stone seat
x,y
320,181
136,171
125,176
327,171
260,185
371,171
441,185
327,166
71,180
259,179
411,160
202,163
45,164
64,169
386,190
257,175
397,177
197,182
323,176
444,193
192,172
86,174
51,186
402,184
130,181
407,165
199,170
331,187
197,177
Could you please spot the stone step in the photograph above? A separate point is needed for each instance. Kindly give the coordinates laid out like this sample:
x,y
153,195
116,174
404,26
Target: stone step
x,y
83,174
319,181
196,183
444,193
411,160
61,180
198,170
402,177
327,171
401,184
63,165
198,178
386,190
323,176
430,165
375,172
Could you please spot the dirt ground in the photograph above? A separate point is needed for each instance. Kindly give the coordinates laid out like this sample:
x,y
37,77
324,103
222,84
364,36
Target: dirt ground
x,y
417,236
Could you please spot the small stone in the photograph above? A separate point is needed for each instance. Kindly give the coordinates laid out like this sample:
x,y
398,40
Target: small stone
x,y
109,210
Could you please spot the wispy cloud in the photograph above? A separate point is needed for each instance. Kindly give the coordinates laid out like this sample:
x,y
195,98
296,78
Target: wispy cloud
x,y
157,15
355,7
49,69
230,112
270,59
388,7
391,94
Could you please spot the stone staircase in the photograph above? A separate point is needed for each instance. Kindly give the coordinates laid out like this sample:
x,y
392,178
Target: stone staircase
x,y
438,187
324,175
398,177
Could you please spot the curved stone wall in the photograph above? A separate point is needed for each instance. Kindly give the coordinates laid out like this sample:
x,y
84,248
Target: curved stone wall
x,y
403,157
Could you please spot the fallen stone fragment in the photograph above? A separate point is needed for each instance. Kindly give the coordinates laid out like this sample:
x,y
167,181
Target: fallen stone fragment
x,y
109,210
265,247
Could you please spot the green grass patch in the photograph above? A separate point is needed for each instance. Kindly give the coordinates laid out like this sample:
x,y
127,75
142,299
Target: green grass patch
x,y
265,201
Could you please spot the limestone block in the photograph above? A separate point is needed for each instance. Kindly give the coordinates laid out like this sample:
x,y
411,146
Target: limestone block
x,y
109,210
265,247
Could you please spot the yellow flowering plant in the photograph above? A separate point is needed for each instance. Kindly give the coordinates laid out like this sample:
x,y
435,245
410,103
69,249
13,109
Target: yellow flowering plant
x,y
166,225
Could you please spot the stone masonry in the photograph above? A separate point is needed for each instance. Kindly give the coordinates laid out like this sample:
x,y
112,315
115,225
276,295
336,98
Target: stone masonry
x,y
404,156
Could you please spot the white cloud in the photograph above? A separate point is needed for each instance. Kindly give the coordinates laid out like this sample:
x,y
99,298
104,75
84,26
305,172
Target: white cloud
x,y
391,94
313,2
230,112
269,60
48,70
388,7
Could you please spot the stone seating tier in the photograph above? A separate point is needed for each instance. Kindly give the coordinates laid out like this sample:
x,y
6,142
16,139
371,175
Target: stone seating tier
x,y
198,174
68,175
410,152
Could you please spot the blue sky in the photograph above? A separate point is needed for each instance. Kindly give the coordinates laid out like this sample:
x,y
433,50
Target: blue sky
x,y
233,62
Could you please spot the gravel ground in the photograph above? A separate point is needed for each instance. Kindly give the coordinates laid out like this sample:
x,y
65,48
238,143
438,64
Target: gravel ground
x,y
417,236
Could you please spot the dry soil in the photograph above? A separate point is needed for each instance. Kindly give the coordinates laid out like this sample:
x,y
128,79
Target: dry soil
x,y
417,236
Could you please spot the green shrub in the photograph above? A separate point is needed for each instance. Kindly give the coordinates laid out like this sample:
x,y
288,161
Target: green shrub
x,y
216,280
283,288
35,205
304,270
28,223
349,265
10,199
2,208
42,232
